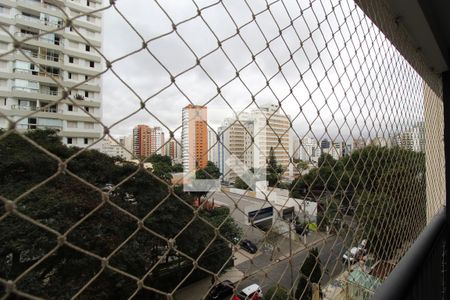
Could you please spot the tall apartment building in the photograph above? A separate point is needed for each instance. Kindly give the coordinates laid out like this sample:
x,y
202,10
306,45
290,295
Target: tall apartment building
x,y
173,149
142,141
412,139
33,74
309,150
272,130
235,139
156,140
194,137
252,138
213,146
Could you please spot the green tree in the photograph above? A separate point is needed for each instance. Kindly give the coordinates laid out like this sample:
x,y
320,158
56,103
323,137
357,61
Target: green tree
x,y
273,170
211,171
240,184
63,200
177,168
310,272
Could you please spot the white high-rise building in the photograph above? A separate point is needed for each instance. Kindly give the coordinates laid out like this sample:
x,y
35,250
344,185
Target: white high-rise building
x,y
157,140
253,136
213,147
235,139
309,150
32,75
194,138
272,130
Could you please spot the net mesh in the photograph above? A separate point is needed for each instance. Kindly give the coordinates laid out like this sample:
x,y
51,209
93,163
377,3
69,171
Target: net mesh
x,y
309,94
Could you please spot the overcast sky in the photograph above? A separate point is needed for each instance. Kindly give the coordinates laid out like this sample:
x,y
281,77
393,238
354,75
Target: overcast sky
x,y
366,88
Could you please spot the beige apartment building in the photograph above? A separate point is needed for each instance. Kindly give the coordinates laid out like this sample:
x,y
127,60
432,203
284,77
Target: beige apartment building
x,y
194,137
35,69
252,137
272,130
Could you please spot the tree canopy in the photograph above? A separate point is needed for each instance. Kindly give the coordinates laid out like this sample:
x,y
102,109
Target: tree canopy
x,y
60,200
381,183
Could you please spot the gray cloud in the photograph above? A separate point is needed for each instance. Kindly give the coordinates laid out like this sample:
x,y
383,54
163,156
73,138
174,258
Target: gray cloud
x,y
337,47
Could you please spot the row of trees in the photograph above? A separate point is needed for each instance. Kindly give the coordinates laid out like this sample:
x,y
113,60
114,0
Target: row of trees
x,y
385,185
58,200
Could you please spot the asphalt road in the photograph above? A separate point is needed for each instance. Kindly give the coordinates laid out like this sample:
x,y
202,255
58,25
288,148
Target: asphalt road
x,y
267,273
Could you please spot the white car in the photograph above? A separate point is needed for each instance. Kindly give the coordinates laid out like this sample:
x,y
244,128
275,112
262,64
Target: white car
x,y
352,255
251,291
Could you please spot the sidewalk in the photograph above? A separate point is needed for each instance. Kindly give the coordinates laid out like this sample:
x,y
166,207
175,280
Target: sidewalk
x,y
199,289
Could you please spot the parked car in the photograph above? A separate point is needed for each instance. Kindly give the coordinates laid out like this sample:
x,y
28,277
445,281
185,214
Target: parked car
x,y
248,246
252,292
355,253
222,290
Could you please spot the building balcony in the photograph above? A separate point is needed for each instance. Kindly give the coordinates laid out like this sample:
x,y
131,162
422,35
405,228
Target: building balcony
x,y
27,3
41,91
36,108
27,37
36,20
38,73
35,54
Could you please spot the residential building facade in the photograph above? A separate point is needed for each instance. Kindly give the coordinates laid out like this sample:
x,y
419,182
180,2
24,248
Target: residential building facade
x,y
156,140
33,76
112,148
194,138
142,141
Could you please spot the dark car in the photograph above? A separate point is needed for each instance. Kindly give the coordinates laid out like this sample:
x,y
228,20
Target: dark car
x,y
222,290
248,246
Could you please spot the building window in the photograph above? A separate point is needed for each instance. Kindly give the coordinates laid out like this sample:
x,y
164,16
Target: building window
x,y
88,125
69,140
88,48
86,77
86,108
70,75
86,141
86,94
70,28
91,64
88,3
70,107
71,59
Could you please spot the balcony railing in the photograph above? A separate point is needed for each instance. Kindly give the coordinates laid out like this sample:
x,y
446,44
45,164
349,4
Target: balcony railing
x,y
37,20
36,108
41,56
39,38
35,126
30,90
44,5
38,73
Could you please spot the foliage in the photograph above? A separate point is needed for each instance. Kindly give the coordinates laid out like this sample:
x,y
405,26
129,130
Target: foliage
x,y
274,170
211,171
63,200
240,184
381,183
177,168
310,272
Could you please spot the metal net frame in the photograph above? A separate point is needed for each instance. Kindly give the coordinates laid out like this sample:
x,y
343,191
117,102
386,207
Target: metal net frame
x,y
342,75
